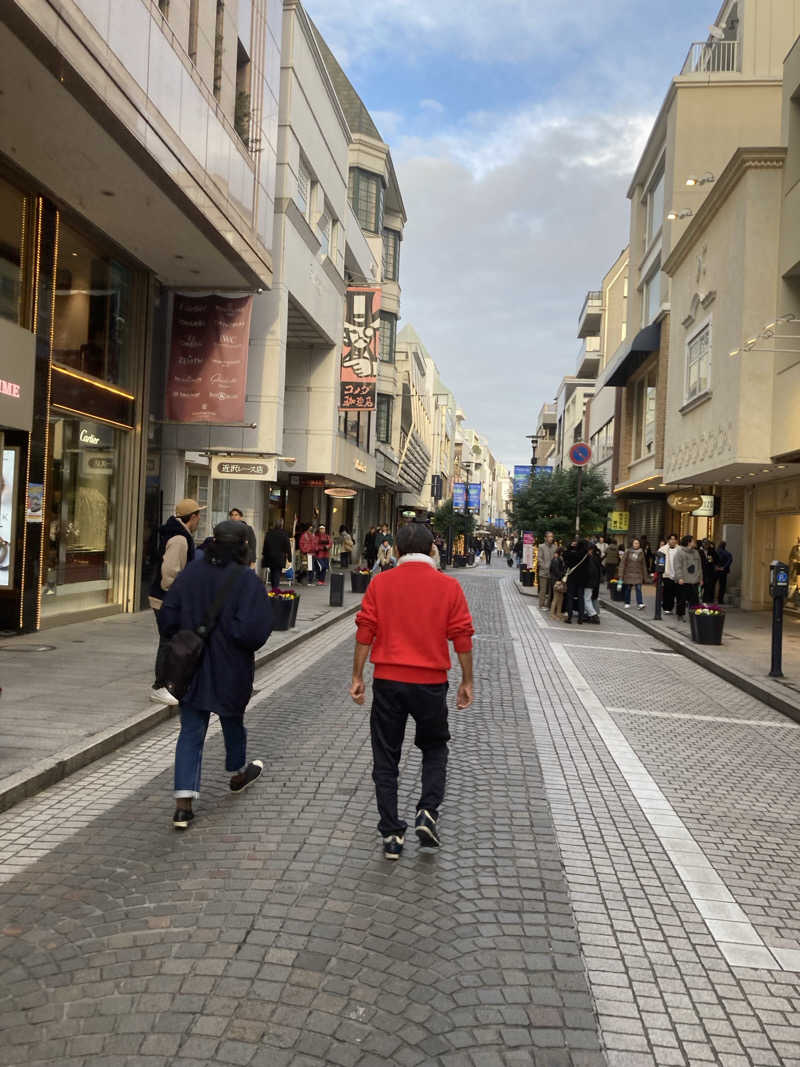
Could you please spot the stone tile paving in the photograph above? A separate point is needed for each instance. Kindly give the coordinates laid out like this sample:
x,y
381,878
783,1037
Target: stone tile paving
x,y
664,992
274,933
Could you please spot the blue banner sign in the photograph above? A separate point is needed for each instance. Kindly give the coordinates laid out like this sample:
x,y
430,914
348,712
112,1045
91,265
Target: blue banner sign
x,y
459,496
474,496
522,477
543,470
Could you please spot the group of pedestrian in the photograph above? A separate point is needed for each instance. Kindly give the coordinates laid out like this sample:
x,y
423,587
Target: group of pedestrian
x,y
379,549
570,575
214,599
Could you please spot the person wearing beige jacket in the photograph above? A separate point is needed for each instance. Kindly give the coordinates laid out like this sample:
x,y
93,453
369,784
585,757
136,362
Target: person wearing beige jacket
x,y
633,573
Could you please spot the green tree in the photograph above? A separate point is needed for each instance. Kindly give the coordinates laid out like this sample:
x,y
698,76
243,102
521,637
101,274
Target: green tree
x,y
549,502
446,517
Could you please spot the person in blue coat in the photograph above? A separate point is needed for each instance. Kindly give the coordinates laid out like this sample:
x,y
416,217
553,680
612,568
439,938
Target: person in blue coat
x,y
224,681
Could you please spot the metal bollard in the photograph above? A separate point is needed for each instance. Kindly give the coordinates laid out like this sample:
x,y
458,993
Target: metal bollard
x,y
337,590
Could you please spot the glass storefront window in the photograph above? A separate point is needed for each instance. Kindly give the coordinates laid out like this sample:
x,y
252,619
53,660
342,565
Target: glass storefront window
x,y
94,310
82,542
11,208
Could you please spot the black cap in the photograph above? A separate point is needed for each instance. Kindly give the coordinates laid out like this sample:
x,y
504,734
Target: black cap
x,y
230,532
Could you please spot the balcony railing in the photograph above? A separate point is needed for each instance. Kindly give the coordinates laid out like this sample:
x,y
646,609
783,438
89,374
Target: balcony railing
x,y
594,301
712,57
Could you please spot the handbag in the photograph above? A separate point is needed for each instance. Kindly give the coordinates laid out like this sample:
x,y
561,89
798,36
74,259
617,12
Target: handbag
x,y
185,649
560,586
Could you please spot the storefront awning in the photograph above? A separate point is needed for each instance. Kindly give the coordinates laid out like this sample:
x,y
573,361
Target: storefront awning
x,y
631,357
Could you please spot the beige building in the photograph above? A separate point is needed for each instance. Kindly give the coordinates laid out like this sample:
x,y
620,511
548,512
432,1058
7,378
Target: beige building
x,y
603,416
728,95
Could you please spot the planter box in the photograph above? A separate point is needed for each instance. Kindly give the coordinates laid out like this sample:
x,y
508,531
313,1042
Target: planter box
x,y
617,592
359,582
459,561
706,629
284,612
527,579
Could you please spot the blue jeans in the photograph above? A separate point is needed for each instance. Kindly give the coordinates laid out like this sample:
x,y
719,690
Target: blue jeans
x,y
639,597
189,749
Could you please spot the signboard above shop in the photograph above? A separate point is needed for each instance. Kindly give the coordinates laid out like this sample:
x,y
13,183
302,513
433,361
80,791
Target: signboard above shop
x,y
244,468
17,361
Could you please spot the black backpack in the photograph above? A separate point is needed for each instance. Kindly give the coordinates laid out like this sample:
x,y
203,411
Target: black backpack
x,y
185,650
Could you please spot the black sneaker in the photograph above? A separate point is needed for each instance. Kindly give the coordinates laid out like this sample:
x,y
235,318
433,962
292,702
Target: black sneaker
x,y
249,774
393,846
182,818
425,829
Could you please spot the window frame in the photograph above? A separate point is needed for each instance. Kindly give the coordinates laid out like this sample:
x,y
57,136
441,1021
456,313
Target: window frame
x,y
357,175
303,188
393,238
658,179
690,362
387,316
384,404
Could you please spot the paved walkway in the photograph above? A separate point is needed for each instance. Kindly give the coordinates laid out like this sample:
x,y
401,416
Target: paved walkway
x,y
617,885
71,691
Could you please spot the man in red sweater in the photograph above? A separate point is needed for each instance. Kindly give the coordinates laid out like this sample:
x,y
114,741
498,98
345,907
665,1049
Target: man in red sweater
x,y
407,617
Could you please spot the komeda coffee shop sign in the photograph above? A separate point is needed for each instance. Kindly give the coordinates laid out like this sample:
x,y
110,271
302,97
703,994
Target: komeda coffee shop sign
x,y
208,358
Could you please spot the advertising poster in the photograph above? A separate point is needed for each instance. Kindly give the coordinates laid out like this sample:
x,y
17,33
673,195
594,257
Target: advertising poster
x,y
8,482
359,370
522,477
34,505
474,496
459,496
527,549
208,358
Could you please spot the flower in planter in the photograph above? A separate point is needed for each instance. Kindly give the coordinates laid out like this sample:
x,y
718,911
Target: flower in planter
x,y
288,595
363,570
707,609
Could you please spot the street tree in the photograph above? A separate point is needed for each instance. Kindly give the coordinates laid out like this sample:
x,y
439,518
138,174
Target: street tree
x,y
549,502
447,518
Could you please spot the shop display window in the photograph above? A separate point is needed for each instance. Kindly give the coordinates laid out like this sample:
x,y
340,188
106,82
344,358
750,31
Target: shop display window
x,y
9,477
93,310
81,535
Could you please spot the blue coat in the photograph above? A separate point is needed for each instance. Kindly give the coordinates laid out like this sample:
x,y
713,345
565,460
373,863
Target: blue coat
x,y
224,682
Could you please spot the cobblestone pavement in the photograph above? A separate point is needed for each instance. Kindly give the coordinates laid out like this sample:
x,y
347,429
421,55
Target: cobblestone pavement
x,y
617,883
274,932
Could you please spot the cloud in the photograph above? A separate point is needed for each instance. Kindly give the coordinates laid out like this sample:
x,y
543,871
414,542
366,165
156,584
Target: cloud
x,y
511,220
432,105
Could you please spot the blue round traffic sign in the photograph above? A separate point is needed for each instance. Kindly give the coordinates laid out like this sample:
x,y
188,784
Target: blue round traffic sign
x,y
580,453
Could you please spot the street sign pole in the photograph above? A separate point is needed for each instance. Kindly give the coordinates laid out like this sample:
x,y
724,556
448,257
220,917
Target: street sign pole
x,y
578,504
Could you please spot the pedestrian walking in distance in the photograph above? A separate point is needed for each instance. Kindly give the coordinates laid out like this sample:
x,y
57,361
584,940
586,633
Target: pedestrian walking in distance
x,y
611,561
407,617
668,598
547,551
237,515
688,571
557,584
175,550
322,554
223,683
634,573
276,552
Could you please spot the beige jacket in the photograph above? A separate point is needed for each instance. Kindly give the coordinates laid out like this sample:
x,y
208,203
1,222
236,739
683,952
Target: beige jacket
x,y
175,556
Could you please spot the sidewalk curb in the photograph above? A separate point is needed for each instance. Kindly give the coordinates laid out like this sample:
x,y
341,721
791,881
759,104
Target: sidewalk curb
x,y
693,652
60,765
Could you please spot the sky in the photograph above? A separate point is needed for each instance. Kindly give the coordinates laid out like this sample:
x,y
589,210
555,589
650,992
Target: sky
x,y
515,127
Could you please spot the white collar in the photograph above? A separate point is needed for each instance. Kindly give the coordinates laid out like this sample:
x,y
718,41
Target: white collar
x,y
417,557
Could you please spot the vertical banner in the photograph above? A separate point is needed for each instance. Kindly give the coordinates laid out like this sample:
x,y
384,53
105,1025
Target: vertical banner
x,y
459,496
527,549
474,496
522,478
208,358
360,350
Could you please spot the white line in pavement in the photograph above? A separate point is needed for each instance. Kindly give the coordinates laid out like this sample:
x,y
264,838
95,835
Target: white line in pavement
x,y
36,826
615,648
735,935
787,724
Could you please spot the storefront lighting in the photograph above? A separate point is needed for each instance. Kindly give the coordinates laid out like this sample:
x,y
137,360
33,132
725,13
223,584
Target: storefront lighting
x,y
94,417
340,493
94,382
675,215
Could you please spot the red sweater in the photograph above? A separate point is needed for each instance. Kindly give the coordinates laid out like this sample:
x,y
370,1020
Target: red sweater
x,y
408,615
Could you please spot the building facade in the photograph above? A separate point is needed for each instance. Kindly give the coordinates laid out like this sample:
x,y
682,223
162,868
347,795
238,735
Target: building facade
x,y
137,158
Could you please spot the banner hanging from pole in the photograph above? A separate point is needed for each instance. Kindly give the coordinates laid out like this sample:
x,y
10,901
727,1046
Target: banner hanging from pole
x,y
208,358
359,370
